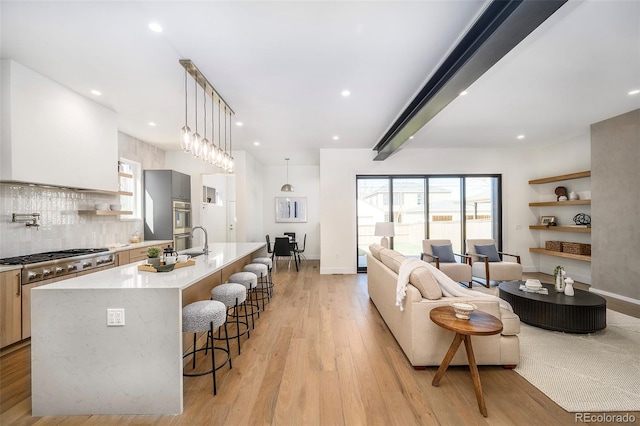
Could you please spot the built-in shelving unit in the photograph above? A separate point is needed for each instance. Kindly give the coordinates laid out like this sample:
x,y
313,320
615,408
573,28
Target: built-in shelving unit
x,y
561,228
574,229
561,178
560,254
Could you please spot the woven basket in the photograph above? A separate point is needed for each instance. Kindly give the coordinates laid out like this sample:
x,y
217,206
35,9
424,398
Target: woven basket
x,y
577,248
553,245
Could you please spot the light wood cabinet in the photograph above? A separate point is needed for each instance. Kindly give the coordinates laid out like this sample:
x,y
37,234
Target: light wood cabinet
x,y
10,303
560,178
122,257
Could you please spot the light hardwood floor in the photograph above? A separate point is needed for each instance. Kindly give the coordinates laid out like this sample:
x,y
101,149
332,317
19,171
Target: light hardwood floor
x,y
320,355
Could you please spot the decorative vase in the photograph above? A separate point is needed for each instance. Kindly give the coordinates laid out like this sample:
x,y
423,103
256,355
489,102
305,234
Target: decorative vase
x,y
559,282
568,288
153,261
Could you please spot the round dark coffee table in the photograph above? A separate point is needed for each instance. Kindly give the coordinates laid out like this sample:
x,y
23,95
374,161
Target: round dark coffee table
x,y
583,313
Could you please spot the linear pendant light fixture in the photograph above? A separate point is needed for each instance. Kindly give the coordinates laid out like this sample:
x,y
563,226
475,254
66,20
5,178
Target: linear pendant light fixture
x,y
198,145
287,187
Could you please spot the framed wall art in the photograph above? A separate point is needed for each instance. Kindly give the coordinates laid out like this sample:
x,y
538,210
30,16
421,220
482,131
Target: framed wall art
x,y
291,209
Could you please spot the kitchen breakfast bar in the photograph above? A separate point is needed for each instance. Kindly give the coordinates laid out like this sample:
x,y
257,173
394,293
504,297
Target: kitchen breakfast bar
x,y
81,366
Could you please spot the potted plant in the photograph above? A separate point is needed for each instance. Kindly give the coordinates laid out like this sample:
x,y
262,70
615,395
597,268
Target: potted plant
x,y
153,256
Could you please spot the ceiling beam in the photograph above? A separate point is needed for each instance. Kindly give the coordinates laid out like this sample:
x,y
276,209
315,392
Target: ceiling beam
x,y
502,25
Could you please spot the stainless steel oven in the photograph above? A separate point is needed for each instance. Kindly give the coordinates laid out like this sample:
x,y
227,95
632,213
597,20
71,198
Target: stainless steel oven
x,y
181,217
182,242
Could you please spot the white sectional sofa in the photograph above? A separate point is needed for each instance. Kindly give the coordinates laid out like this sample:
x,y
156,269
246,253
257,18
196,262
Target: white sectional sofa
x,y
423,342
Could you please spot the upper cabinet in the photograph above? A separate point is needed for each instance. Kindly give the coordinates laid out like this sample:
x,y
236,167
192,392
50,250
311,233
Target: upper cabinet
x,y
53,136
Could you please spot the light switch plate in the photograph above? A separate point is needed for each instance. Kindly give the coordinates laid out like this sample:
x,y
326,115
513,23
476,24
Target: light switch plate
x,y
115,317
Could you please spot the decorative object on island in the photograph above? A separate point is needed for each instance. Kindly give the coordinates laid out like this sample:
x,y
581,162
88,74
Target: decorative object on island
x,y
287,187
548,220
559,274
568,286
200,147
153,256
384,230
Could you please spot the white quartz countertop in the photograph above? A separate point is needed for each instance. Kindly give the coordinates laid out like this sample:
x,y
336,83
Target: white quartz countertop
x,y
133,246
128,276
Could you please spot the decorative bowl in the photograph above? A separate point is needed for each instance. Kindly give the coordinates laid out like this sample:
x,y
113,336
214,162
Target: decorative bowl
x,y
463,309
102,206
116,207
533,284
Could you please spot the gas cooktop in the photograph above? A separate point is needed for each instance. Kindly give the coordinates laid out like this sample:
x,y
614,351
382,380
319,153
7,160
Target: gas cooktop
x,y
50,255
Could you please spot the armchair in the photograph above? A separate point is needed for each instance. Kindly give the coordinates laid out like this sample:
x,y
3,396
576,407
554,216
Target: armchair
x,y
460,272
488,263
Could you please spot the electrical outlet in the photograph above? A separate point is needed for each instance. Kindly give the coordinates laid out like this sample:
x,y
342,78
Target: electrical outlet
x,y
115,317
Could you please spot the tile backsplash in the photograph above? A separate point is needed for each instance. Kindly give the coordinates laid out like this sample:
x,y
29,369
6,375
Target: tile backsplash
x,y
61,227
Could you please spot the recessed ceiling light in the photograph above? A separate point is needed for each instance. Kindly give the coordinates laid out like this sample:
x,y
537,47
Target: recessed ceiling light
x,y
464,92
335,138
155,27
634,92
239,123
152,124
96,92
411,137
520,136
257,143
345,93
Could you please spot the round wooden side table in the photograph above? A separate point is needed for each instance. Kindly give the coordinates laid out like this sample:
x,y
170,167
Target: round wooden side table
x,y
479,324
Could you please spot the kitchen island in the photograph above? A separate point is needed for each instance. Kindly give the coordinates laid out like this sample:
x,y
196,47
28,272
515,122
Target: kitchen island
x,y
81,366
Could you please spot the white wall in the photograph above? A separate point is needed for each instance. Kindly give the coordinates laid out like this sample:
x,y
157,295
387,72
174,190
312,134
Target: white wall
x,y
306,183
339,167
249,198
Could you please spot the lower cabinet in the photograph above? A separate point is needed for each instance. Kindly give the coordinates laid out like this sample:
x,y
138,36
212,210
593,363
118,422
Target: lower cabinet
x,y
10,304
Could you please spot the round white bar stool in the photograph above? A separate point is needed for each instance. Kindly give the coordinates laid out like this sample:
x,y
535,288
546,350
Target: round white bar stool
x,y
269,262
200,317
262,272
232,295
250,281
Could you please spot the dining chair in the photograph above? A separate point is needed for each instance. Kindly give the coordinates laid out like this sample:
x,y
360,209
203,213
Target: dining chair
x,y
290,234
300,251
269,245
282,248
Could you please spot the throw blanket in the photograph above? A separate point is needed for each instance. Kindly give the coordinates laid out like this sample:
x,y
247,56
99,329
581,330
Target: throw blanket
x,y
406,268
448,287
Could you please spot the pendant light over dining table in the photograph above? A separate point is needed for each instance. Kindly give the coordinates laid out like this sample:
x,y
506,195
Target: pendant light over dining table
x,y
192,142
287,187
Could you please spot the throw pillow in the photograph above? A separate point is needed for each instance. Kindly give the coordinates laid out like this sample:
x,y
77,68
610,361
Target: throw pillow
x,y
490,251
444,252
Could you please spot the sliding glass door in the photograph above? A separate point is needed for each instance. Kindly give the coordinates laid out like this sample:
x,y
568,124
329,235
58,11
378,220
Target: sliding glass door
x,y
453,207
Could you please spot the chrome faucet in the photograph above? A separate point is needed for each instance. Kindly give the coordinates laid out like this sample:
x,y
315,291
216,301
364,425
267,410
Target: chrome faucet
x,y
205,249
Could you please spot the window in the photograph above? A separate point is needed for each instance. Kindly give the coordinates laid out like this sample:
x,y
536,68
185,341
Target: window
x,y
454,207
130,183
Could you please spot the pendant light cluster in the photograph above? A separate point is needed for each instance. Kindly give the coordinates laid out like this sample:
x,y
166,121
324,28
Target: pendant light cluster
x,y
209,151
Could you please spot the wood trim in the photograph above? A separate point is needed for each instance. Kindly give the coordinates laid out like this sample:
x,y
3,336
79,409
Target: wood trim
x,y
561,228
560,203
560,254
559,178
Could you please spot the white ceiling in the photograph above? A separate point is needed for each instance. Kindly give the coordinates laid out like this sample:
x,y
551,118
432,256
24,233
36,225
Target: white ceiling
x,y
282,65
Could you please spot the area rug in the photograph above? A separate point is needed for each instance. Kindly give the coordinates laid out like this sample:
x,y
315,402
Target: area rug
x,y
597,372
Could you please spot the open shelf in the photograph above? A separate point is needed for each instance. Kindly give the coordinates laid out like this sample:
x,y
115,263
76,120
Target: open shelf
x,y
130,194
560,203
561,254
104,212
559,178
125,175
561,228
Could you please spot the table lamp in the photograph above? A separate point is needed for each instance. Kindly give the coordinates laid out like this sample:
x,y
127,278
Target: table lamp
x,y
384,230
